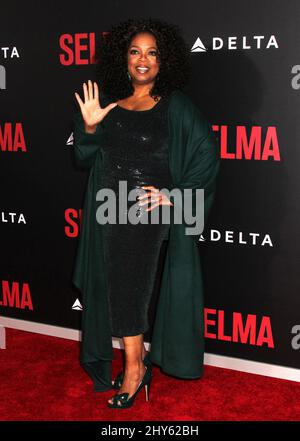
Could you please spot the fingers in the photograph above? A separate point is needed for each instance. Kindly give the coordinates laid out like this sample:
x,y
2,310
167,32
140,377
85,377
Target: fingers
x,y
96,91
85,93
88,93
90,86
151,189
80,102
157,202
151,197
152,207
109,107
155,197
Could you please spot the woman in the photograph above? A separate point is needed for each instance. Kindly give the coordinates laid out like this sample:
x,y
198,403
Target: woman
x,y
142,65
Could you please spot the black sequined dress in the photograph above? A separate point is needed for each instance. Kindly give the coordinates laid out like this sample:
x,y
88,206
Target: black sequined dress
x,y
135,150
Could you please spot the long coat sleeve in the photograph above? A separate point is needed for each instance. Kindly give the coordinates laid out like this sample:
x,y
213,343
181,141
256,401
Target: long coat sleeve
x,y
177,344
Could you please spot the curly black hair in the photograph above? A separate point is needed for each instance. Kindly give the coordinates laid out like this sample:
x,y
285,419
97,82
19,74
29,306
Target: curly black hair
x,y
111,58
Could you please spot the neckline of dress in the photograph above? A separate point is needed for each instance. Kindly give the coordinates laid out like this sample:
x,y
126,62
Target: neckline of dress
x,y
142,111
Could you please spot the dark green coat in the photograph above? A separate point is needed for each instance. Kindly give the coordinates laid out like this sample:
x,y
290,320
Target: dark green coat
x,y
177,344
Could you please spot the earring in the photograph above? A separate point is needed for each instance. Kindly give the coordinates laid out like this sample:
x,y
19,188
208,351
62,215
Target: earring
x,y
129,76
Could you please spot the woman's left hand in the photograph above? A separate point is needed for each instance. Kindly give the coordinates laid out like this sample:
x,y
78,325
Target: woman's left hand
x,y
155,196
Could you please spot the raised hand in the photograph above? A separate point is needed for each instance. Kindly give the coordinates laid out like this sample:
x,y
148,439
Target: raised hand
x,y
92,112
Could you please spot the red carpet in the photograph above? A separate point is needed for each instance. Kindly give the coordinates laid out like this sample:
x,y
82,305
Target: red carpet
x,y
41,379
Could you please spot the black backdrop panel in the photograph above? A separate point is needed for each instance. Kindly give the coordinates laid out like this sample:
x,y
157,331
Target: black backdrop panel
x,y
246,81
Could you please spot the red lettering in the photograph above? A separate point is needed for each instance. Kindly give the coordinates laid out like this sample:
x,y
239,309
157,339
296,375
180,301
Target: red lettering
x,y
209,322
224,153
265,334
271,140
241,333
243,146
77,49
252,147
10,141
246,333
70,216
26,301
67,58
221,335
12,298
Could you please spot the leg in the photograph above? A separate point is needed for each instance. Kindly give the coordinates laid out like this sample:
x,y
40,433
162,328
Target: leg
x,y
134,366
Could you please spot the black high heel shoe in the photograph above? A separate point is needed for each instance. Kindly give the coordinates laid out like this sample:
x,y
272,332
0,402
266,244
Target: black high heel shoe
x,y
121,401
117,383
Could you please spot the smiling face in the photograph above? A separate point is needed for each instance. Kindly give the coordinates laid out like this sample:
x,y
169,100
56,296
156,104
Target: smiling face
x,y
142,57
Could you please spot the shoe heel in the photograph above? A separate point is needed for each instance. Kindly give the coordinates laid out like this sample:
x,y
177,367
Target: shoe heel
x,y
147,391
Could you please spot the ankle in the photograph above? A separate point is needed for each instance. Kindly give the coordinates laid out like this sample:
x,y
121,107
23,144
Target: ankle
x,y
132,375
134,367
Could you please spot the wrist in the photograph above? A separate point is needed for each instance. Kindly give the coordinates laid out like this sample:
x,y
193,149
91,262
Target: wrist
x,y
90,129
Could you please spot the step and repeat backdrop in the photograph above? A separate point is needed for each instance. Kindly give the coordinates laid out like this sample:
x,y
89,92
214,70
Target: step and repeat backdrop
x,y
245,78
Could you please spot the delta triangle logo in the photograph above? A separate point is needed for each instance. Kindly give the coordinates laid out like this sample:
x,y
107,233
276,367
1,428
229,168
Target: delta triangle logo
x,y
198,46
70,140
77,305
